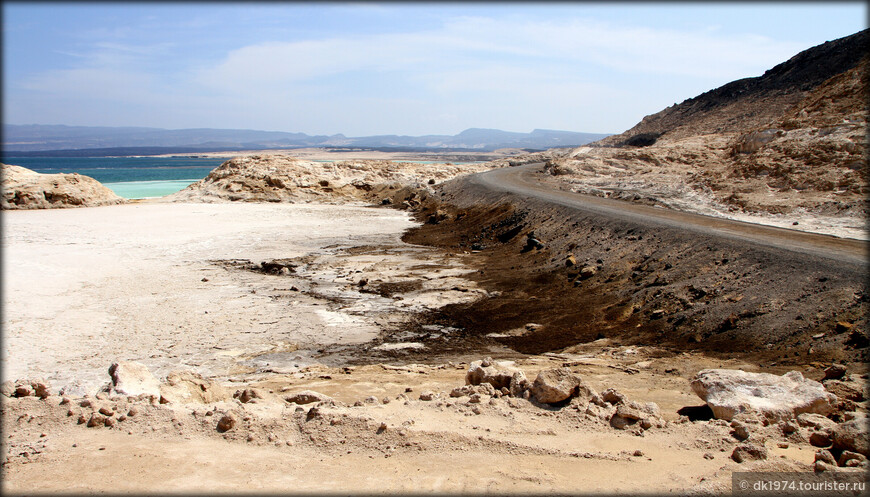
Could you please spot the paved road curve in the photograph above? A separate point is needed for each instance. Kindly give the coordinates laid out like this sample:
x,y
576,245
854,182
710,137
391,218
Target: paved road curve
x,y
521,180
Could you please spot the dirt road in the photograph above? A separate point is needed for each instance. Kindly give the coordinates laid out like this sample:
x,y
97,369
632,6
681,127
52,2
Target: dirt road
x,y
528,180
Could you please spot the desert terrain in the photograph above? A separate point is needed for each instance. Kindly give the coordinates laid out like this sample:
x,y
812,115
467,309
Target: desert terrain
x,y
288,325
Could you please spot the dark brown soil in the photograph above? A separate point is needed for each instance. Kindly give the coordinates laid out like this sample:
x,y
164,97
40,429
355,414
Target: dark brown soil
x,y
651,286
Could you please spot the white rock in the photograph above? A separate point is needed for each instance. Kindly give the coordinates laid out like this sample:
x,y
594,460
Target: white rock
x,y
133,378
557,385
307,397
729,392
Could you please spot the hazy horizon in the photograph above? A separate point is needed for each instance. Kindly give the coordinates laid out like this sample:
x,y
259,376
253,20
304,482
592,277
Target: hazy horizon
x,y
390,69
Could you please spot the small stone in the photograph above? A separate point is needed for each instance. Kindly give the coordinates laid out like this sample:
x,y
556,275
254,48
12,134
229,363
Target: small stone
x,y
741,432
427,395
782,445
611,396
226,423
248,394
307,397
853,435
23,391
708,455
109,422
848,455
105,411
587,272
820,439
748,452
825,456
843,326
835,372
133,411
96,420
788,427
637,453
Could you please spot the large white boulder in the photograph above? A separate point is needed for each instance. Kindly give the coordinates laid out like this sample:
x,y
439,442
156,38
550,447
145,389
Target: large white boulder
x,y
730,392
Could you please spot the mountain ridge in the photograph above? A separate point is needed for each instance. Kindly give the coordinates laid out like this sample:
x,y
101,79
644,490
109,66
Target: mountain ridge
x,y
31,138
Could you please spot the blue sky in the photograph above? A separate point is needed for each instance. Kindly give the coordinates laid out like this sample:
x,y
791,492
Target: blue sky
x,y
390,68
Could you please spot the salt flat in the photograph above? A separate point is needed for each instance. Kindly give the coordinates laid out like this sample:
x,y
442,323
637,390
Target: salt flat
x,y
85,287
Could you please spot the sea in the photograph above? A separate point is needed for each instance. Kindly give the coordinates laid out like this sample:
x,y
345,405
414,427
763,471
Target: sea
x,y
128,177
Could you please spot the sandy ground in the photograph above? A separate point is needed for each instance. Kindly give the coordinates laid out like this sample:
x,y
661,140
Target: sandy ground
x,y
175,286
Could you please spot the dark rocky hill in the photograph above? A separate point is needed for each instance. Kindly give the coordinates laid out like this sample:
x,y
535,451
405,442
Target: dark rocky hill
x,y
751,102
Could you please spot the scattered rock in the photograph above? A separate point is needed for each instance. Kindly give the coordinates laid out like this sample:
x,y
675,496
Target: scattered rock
x,y
741,431
307,397
248,394
227,422
556,385
427,395
825,456
835,372
748,452
843,326
185,387
133,378
611,396
820,439
816,421
96,420
587,272
847,455
849,390
488,371
853,435
730,392
518,384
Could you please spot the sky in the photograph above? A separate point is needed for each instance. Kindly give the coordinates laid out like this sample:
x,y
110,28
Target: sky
x,y
390,68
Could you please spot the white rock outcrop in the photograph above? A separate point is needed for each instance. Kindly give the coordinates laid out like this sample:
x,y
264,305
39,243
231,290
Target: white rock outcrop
x,y
730,392
26,189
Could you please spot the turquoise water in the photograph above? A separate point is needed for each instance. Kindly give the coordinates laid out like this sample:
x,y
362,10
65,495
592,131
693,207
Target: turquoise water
x,y
129,177
148,189
136,177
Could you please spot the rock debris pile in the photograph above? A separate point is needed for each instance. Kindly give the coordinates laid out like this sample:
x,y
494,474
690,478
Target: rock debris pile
x,y
753,414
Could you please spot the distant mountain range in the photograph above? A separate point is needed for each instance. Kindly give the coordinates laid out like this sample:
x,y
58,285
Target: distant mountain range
x,y
33,139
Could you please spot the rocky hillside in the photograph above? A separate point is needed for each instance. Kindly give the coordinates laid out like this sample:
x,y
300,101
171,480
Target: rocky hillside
x,y
751,102
787,148
279,178
26,189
